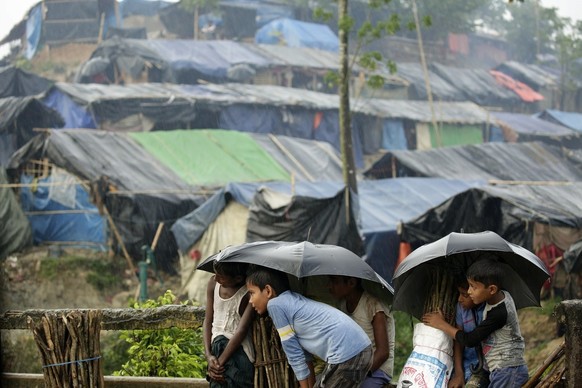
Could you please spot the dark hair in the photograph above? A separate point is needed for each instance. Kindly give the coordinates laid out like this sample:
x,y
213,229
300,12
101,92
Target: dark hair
x,y
230,269
486,271
261,276
461,282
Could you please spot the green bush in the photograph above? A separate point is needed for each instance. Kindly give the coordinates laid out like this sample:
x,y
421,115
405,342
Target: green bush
x,y
164,353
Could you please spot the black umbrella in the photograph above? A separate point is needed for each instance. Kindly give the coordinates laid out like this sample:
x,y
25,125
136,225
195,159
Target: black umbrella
x,y
304,260
524,272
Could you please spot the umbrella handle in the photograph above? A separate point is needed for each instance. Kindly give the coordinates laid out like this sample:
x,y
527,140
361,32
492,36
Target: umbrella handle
x,y
476,368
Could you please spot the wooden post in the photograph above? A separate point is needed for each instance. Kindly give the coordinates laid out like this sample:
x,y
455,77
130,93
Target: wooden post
x,y
569,312
119,240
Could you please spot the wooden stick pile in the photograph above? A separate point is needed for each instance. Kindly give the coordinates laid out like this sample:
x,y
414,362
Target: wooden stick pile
x,y
271,367
70,349
551,372
442,295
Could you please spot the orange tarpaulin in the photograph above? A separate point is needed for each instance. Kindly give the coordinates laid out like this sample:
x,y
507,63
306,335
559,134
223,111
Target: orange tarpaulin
x,y
526,93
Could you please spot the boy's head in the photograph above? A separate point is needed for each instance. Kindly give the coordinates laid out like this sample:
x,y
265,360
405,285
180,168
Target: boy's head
x,y
484,277
229,274
265,284
341,286
463,287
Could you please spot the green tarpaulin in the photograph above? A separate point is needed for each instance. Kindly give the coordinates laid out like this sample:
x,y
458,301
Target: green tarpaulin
x,y
212,157
454,135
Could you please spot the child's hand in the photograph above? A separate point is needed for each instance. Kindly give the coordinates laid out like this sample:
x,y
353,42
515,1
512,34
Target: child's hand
x,y
434,319
457,381
215,370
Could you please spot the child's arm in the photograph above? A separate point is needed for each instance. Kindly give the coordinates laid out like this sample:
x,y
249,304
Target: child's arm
x,y
382,351
496,319
437,321
241,331
214,369
458,378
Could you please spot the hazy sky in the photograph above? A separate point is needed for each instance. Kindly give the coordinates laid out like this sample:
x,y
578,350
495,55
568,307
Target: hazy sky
x,y
14,11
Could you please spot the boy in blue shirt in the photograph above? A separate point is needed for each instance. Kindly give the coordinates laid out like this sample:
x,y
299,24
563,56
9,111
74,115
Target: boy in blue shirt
x,y
307,327
468,316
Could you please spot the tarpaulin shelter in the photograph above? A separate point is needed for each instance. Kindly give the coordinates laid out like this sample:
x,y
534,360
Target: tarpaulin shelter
x,y
296,33
572,120
147,178
518,127
492,161
224,219
441,89
137,191
215,157
19,116
176,61
15,82
478,85
509,210
15,231
78,222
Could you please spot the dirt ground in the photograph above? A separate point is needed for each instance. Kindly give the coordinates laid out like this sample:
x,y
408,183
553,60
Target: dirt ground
x,y
90,280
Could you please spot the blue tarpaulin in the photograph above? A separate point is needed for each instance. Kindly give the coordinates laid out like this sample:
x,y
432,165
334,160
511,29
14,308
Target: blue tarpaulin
x,y
75,115
33,30
568,119
393,137
295,33
60,210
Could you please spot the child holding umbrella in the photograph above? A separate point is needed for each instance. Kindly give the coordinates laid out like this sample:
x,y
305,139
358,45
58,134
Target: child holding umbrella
x,y
498,333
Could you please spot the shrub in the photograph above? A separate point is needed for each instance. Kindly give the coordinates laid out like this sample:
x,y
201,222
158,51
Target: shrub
x,y
164,353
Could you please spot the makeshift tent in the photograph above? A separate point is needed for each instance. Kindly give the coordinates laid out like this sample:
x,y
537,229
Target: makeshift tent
x,y
525,128
180,61
492,161
509,210
78,224
137,190
571,120
478,86
222,220
440,88
295,33
15,232
19,116
15,82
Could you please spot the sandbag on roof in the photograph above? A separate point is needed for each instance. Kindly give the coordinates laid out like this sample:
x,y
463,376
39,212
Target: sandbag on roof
x,y
491,161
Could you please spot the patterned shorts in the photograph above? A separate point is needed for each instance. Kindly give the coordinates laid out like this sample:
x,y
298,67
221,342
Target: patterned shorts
x,y
349,374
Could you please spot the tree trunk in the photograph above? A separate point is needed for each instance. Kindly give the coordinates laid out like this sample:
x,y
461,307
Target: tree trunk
x,y
347,153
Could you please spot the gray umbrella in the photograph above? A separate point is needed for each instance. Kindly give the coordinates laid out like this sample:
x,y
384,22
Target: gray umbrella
x,y
305,260
524,272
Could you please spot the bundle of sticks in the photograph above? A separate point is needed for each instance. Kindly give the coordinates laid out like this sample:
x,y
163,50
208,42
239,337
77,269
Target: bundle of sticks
x,y
271,367
70,349
551,372
442,295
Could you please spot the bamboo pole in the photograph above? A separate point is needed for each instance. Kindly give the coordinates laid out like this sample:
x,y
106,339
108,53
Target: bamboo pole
x,y
119,240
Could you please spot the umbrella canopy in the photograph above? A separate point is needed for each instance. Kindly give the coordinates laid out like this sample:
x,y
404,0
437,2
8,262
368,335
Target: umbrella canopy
x,y
524,272
304,260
